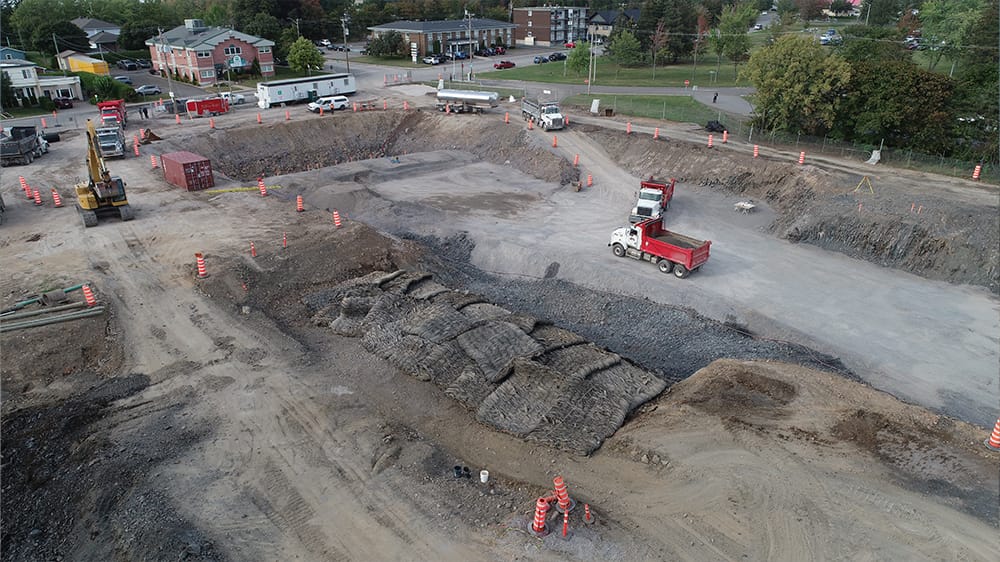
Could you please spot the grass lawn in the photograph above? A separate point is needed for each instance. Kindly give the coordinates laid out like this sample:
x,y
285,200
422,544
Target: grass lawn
x,y
610,74
27,111
391,61
681,109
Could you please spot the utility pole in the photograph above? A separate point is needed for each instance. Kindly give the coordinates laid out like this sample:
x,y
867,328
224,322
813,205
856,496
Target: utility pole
x,y
297,31
472,50
166,70
344,20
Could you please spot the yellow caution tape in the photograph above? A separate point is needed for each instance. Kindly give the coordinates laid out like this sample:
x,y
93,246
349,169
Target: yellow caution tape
x,y
239,189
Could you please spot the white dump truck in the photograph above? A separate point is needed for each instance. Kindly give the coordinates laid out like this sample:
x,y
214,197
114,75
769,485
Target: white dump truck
x,y
544,114
466,101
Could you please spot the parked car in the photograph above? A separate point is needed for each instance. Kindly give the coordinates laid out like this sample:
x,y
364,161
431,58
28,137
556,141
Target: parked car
x,y
144,63
328,103
233,99
126,64
504,64
540,59
461,55
570,45
501,50
123,79
432,59
148,90
63,103
557,56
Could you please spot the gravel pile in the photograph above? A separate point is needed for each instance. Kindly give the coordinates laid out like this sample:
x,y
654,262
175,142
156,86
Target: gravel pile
x,y
557,388
673,342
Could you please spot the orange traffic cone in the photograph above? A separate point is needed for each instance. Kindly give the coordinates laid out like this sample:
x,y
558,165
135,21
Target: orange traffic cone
x,y
336,219
555,142
88,295
994,440
298,204
56,200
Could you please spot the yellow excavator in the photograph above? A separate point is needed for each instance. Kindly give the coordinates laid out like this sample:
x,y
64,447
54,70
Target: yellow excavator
x,y
103,193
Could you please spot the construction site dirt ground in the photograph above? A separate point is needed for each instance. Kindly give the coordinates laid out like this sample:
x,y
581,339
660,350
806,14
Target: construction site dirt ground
x,y
220,419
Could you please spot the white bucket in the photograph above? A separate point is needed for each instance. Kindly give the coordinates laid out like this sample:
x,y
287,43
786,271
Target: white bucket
x,y
484,476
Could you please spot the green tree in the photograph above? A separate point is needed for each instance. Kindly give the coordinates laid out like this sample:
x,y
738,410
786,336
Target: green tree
x,y
681,21
870,43
977,84
946,24
263,25
799,85
765,5
880,12
388,45
841,7
304,56
626,50
7,98
810,10
787,11
68,36
898,102
733,41
579,58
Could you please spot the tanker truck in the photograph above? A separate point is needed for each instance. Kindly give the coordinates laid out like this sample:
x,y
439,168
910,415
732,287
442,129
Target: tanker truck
x,y
466,101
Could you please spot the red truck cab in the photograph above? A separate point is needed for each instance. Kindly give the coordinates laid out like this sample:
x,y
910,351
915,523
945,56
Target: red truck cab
x,y
670,251
112,112
654,199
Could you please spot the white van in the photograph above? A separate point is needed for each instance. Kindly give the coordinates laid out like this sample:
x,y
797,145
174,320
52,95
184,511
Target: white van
x,y
329,103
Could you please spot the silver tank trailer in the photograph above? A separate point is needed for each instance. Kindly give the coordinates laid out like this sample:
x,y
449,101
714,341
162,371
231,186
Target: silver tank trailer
x,y
462,101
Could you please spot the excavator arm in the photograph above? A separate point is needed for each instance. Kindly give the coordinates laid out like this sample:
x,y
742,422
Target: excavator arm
x,y
96,168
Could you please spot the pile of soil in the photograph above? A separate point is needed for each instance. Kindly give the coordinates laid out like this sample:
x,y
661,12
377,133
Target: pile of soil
x,y
270,150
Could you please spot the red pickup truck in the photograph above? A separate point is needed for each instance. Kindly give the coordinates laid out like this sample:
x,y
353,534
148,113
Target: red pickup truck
x,y
670,251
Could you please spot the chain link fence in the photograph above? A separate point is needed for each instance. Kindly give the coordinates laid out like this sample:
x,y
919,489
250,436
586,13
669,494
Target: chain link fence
x,y
897,157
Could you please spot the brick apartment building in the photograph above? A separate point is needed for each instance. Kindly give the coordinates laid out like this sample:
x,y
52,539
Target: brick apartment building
x,y
206,53
547,26
449,36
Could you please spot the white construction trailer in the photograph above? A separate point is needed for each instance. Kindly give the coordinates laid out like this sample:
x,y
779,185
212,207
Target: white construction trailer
x,y
295,90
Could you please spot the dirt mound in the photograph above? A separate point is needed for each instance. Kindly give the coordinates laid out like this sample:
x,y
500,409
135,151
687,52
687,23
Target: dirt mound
x,y
780,405
65,479
286,147
568,396
735,389
947,239
41,363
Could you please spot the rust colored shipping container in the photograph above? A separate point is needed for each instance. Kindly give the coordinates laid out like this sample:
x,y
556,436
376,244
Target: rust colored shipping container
x,y
188,170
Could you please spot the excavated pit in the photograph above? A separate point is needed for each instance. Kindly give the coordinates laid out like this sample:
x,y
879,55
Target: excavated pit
x,y
946,240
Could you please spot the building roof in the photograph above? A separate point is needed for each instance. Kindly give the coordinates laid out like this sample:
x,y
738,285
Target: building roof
x,y
610,16
91,24
552,8
103,37
12,49
439,26
205,38
16,63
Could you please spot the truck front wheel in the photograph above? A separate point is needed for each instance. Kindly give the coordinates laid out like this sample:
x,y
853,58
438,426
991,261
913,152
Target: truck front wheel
x,y
666,266
680,271
618,250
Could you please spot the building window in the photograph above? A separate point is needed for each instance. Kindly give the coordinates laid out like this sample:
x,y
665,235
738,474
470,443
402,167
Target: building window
x,y
204,54
8,56
529,14
232,50
207,73
24,74
263,50
266,68
529,23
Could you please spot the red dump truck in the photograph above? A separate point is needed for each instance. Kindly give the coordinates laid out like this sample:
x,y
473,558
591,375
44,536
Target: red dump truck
x,y
654,199
670,251
113,113
211,106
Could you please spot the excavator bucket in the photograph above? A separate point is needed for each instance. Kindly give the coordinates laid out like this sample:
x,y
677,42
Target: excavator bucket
x,y
147,136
